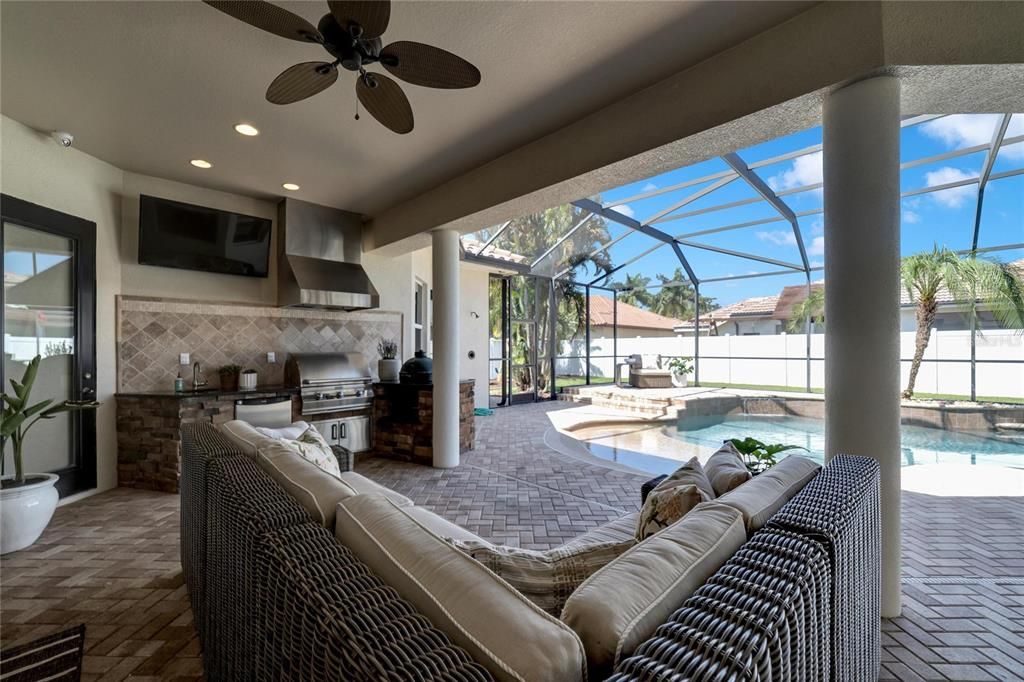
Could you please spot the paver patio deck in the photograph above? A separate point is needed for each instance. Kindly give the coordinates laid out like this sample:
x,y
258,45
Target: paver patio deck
x,y
111,560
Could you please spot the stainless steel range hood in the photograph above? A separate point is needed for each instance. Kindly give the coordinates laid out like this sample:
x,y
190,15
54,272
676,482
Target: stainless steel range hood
x,y
319,253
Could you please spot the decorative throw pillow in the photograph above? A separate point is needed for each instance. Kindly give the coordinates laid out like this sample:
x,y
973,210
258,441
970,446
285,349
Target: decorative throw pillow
x,y
545,578
691,473
665,506
287,432
726,469
311,446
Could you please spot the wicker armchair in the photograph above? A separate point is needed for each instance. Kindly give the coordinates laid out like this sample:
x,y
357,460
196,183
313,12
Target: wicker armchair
x,y
275,597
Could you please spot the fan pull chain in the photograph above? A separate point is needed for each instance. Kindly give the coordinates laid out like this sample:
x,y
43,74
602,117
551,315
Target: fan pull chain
x,y
357,108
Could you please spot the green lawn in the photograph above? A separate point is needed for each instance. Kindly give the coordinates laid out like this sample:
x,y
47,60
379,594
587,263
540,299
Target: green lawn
x,y
917,396
566,381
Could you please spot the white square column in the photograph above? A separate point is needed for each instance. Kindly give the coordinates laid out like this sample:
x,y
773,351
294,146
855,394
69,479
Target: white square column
x,y
861,143
446,348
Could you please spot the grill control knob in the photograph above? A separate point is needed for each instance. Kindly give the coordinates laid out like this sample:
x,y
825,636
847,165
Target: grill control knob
x,y
318,396
338,394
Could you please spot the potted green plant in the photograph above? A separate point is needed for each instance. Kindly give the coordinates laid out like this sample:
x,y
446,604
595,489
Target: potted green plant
x,y
760,456
27,501
680,368
229,377
388,366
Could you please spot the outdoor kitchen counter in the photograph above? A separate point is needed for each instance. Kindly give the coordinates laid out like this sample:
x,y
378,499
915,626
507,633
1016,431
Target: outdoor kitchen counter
x,y
403,420
237,394
149,423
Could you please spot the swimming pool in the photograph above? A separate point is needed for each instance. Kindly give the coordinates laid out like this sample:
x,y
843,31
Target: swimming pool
x,y
659,447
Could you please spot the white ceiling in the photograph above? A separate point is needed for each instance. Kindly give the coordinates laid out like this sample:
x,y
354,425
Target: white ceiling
x,y
147,86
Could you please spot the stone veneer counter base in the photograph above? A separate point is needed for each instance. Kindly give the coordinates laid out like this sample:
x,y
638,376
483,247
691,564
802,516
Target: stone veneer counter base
x,y
403,420
148,431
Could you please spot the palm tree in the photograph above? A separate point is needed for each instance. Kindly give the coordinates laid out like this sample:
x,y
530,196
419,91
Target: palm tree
x,y
811,308
634,291
676,301
970,280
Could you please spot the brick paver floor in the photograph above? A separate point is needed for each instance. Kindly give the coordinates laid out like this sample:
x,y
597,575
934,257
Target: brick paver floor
x,y
111,561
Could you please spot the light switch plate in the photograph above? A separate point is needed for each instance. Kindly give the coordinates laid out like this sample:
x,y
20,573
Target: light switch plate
x,y
271,357
183,359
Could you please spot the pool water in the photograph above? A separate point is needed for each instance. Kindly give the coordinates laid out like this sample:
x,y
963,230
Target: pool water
x,y
920,445
658,448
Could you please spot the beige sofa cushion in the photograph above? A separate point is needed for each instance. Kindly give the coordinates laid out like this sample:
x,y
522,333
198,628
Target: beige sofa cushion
x,y
726,470
497,626
548,577
621,605
316,490
244,436
621,529
759,498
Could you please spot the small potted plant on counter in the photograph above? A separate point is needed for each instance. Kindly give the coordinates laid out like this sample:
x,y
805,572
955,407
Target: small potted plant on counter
x,y
27,501
229,377
758,456
680,368
388,366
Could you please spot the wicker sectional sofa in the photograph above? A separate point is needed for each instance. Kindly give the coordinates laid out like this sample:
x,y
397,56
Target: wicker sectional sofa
x,y
276,594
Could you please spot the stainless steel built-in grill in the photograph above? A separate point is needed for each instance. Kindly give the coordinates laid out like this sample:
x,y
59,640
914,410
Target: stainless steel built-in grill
x,y
330,382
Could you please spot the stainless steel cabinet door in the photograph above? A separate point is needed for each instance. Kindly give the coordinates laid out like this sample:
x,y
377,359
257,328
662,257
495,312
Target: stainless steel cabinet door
x,y
354,434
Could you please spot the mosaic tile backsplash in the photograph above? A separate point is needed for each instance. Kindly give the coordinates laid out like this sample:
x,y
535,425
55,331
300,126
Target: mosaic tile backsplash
x,y
151,333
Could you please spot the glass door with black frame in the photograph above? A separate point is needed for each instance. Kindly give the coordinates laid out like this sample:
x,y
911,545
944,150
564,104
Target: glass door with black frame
x,y
49,311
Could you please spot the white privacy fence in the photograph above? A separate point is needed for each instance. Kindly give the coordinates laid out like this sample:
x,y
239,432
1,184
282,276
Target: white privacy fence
x,y
782,360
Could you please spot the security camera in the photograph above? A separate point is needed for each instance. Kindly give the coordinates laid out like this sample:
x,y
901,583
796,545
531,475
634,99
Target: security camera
x,y
64,139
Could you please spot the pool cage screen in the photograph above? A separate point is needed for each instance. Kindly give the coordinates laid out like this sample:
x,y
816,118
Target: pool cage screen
x,y
685,227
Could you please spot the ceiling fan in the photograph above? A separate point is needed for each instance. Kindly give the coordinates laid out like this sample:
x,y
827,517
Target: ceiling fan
x,y
351,33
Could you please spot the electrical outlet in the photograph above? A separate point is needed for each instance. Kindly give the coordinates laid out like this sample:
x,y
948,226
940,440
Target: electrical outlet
x,y
271,357
183,359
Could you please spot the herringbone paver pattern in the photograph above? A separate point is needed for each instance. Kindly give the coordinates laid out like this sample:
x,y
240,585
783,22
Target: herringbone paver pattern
x,y
111,561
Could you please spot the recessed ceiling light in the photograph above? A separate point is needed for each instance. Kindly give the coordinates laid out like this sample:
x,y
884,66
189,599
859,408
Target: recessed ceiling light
x,y
247,130
201,163
290,186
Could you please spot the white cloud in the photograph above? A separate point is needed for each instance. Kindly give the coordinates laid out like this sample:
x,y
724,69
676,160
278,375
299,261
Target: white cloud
x,y
817,226
816,247
805,170
953,197
649,187
968,130
778,237
911,217
624,209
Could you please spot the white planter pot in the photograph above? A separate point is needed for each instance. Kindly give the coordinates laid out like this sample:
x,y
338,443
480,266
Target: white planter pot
x,y
679,380
25,512
388,370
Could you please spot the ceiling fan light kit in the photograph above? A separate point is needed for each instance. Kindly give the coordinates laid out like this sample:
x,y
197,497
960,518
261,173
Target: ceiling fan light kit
x,y
351,34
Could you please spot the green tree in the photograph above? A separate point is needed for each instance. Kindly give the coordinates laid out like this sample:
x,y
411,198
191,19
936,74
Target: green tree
x,y
812,308
634,291
528,238
675,297
971,280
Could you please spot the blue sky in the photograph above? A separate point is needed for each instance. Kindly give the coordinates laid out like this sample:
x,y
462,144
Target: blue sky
x,y
945,217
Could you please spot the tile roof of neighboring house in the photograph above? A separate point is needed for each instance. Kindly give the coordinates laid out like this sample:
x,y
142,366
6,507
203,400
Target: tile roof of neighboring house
x,y
475,246
601,315
759,306
790,297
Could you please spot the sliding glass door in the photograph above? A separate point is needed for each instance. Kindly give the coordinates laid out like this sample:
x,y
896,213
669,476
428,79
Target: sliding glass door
x,y
49,310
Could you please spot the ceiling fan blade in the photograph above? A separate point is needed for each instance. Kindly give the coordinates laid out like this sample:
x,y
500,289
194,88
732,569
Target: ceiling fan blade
x,y
301,81
386,102
269,18
428,66
372,15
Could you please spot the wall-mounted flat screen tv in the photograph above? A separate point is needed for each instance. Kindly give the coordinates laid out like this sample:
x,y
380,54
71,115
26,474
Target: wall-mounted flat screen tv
x,y
173,234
